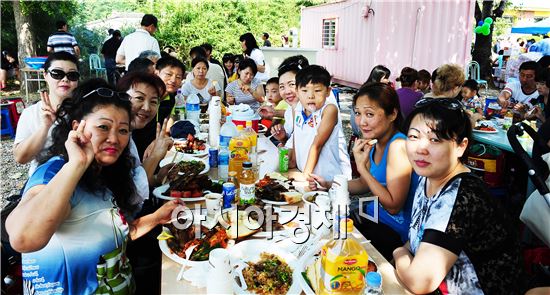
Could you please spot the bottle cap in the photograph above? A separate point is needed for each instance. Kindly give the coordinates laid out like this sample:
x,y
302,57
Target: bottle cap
x,y
373,279
247,164
346,225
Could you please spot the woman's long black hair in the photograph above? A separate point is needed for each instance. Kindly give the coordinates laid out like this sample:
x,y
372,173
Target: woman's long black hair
x,y
118,177
249,41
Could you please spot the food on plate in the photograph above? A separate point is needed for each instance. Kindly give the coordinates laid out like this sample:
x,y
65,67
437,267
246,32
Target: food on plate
x,y
239,226
185,238
186,181
485,127
270,275
292,197
277,190
275,224
372,141
190,146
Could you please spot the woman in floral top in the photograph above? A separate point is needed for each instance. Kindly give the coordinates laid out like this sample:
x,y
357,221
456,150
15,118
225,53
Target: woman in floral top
x,y
459,240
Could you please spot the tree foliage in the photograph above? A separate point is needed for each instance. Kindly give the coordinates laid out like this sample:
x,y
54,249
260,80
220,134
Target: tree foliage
x,y
482,46
220,23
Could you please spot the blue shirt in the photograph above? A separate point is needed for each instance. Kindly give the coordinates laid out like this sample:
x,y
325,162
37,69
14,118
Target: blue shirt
x,y
398,222
68,263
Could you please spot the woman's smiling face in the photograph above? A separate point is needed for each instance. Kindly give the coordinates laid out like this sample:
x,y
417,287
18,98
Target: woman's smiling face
x,y
108,128
145,102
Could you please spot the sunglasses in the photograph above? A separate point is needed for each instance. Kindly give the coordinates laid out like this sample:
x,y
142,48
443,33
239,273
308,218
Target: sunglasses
x,y
450,104
293,65
59,74
108,93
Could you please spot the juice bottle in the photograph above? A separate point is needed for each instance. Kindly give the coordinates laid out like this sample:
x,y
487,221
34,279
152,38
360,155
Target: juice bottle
x,y
238,151
253,137
344,263
247,184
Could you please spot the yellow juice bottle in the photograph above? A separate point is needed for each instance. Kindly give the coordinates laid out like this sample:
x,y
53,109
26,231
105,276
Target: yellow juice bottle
x,y
344,263
253,137
238,151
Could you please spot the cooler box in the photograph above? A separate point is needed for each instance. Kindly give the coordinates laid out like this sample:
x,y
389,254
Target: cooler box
x,y
488,162
242,113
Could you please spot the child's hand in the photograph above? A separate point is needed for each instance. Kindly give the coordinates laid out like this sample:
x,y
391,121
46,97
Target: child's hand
x,y
278,132
266,112
212,91
361,150
314,180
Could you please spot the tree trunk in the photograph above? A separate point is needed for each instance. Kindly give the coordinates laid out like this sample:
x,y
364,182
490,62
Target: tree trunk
x,y
26,45
482,45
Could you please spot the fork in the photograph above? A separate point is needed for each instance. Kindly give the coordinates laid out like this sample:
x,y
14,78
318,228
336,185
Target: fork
x,y
184,264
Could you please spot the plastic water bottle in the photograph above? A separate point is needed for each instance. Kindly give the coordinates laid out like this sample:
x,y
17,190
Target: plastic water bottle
x,y
374,284
228,131
193,109
180,106
223,162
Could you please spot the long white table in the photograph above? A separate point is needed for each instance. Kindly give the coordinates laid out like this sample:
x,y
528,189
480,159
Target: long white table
x,y
269,161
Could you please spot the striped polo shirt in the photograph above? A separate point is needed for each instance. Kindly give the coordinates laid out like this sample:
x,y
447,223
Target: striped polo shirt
x,y
62,41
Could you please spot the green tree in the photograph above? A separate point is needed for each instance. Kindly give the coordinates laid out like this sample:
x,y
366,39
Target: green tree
x,y
482,45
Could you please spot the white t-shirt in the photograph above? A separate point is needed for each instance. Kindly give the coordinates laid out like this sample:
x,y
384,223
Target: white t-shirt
x,y
215,73
188,88
136,43
140,176
29,123
333,158
258,56
289,124
518,96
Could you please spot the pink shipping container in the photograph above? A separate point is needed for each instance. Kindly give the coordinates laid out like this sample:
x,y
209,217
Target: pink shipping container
x,y
354,36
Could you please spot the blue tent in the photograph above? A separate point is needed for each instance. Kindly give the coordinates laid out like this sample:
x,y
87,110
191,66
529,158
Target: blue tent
x,y
541,27
543,46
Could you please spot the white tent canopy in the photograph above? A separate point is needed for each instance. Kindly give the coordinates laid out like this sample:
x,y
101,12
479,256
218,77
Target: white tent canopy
x,y
541,27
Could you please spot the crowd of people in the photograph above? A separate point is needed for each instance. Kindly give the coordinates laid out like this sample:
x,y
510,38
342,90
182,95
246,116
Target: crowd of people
x,y
95,150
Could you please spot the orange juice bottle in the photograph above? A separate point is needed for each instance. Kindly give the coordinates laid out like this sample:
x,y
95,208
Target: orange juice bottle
x,y
238,150
344,263
253,137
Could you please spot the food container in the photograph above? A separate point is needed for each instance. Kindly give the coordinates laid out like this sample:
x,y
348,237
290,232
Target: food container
x,y
242,113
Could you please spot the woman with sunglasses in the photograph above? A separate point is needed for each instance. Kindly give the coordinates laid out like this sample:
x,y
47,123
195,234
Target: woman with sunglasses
x,y
383,173
459,239
36,122
77,208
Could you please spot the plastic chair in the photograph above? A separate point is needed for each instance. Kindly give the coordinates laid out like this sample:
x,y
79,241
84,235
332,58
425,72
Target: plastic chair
x,y
472,72
96,67
7,128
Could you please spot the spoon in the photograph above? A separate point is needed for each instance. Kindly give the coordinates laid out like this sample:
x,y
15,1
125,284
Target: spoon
x,y
184,264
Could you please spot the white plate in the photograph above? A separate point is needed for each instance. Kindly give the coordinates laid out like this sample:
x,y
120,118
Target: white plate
x,y
157,192
306,261
276,203
484,131
196,153
262,128
166,250
308,194
185,157
250,250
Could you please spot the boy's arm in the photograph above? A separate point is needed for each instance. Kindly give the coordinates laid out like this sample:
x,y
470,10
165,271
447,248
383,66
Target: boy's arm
x,y
328,122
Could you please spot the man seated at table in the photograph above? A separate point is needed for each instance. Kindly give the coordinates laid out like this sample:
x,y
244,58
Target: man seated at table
x,y
520,93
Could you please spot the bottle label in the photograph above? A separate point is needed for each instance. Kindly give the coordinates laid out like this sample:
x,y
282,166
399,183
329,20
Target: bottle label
x,y
223,159
247,193
224,140
192,107
343,273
